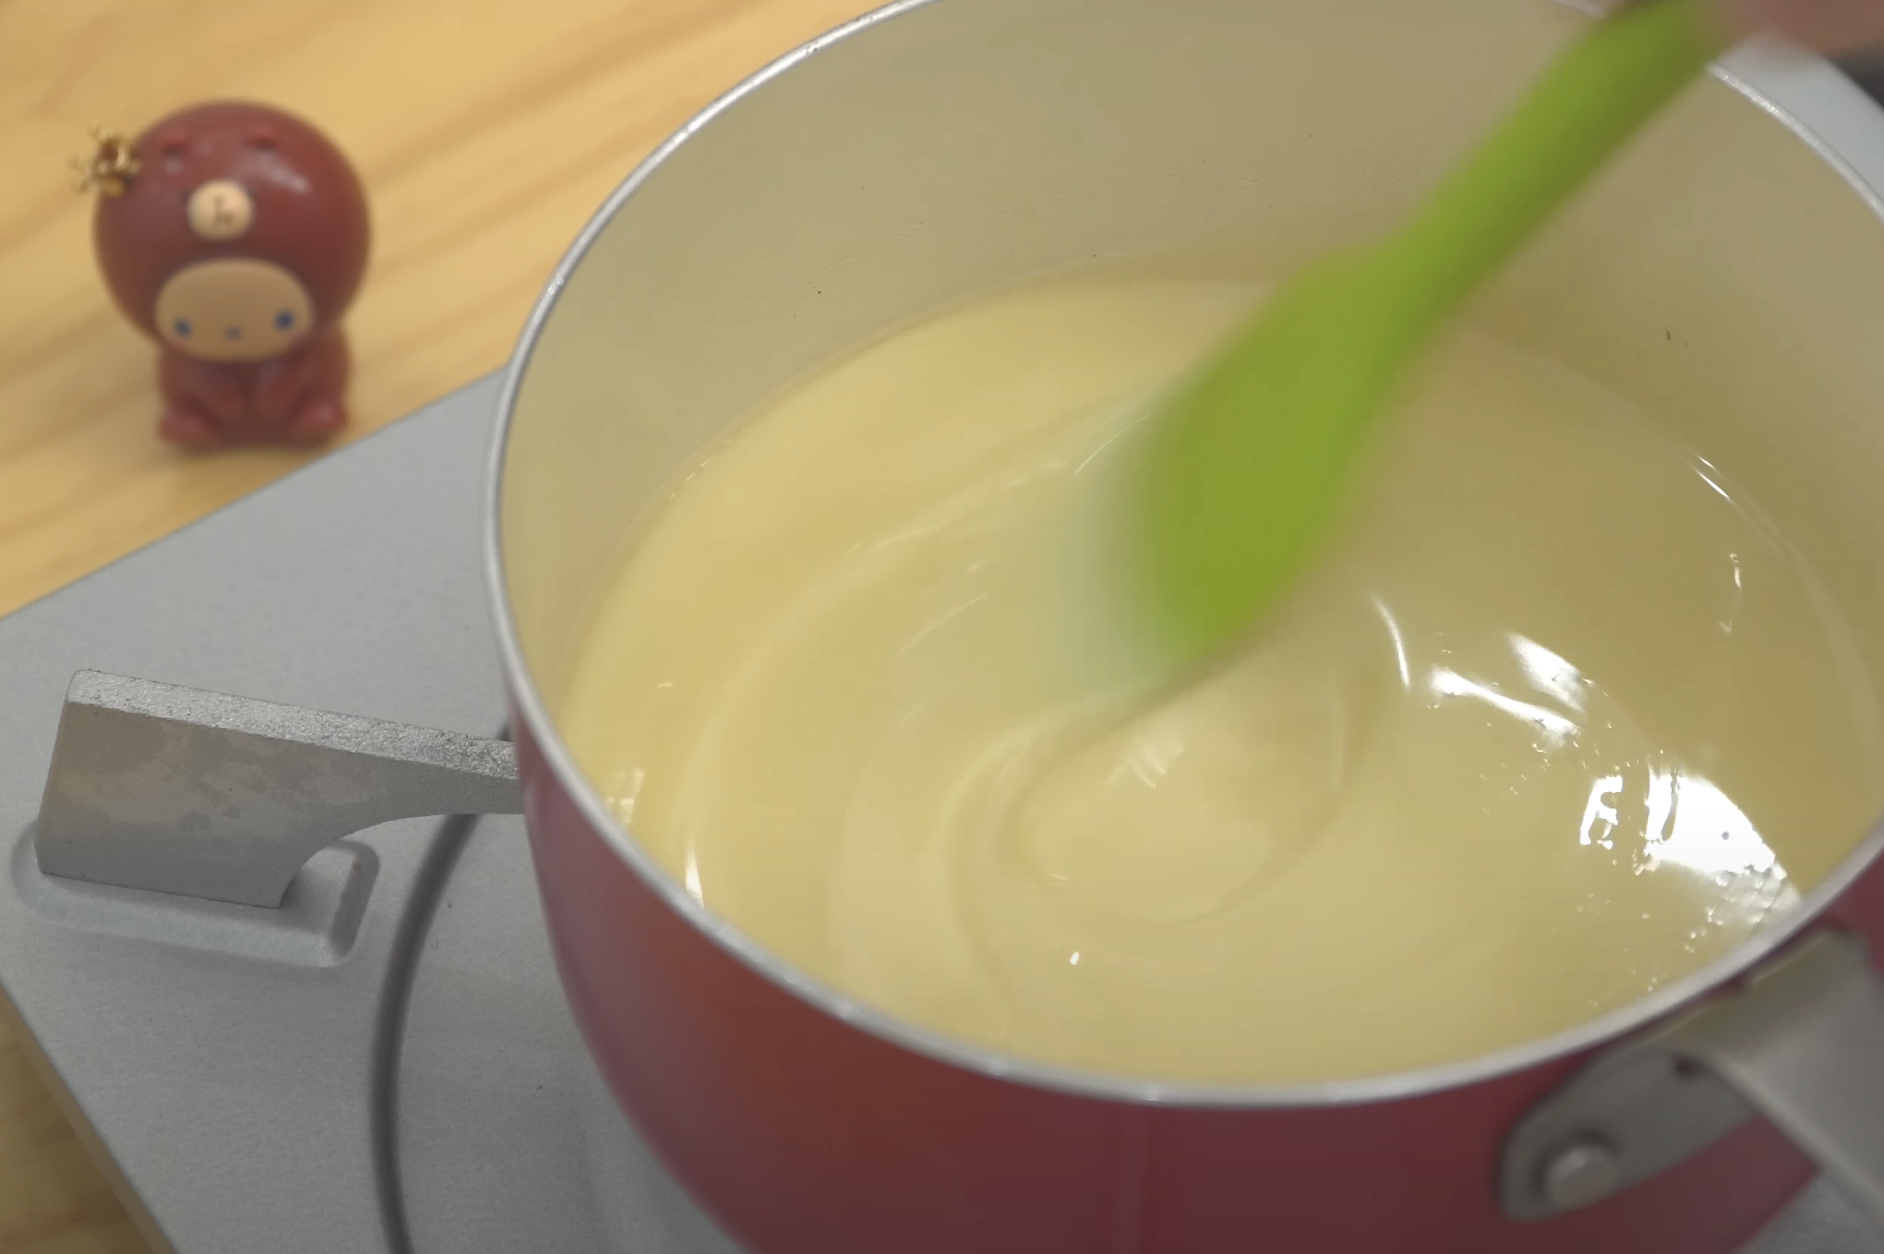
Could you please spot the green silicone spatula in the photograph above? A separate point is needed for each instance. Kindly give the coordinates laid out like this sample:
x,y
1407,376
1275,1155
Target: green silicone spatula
x,y
1245,464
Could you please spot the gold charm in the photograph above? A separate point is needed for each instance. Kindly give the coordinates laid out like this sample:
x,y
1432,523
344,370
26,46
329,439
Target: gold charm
x,y
110,168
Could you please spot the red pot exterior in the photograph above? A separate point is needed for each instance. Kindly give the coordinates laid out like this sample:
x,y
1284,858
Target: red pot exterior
x,y
804,1134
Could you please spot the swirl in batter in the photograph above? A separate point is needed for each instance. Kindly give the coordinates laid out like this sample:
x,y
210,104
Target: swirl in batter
x,y
1556,719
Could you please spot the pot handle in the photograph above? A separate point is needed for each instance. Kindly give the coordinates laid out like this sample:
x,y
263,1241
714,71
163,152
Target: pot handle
x,y
1801,1042
1804,1046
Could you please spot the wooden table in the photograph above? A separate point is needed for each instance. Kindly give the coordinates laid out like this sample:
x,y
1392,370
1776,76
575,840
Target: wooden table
x,y
486,132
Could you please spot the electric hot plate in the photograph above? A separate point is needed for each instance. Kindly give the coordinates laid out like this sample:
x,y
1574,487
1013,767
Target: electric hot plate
x,y
385,1064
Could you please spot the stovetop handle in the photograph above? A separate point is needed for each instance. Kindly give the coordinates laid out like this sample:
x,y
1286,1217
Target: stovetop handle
x,y
179,790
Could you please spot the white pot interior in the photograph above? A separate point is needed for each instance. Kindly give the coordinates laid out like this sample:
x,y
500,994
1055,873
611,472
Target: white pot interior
x,y
1724,275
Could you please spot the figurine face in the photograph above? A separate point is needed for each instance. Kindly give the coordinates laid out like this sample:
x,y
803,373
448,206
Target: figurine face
x,y
234,309
241,234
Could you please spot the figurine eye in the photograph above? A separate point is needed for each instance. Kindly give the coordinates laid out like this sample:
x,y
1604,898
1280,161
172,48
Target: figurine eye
x,y
182,327
284,321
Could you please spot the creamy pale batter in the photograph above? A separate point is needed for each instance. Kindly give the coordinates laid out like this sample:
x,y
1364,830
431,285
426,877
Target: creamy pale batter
x,y
1556,719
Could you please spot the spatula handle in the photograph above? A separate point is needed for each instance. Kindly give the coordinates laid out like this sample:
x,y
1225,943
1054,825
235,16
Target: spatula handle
x,y
1596,95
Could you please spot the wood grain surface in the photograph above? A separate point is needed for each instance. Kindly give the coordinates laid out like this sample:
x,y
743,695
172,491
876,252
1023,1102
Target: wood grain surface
x,y
486,132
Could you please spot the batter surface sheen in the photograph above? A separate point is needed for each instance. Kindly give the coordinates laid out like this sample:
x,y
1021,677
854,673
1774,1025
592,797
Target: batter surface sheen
x,y
1556,719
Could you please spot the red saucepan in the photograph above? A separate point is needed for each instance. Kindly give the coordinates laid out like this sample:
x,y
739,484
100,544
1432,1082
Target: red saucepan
x,y
938,148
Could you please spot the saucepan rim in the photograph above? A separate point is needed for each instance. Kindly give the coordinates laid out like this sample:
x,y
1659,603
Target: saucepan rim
x,y
530,707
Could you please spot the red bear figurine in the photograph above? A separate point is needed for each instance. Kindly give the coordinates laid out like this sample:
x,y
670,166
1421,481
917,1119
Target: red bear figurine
x,y
235,234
